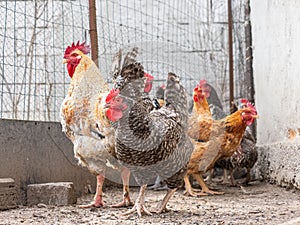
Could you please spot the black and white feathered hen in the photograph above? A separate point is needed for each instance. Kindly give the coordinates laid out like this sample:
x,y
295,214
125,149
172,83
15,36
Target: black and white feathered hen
x,y
152,142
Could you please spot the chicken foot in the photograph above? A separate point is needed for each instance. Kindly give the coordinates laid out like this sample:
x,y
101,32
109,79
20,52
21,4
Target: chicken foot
x,y
98,201
125,174
139,205
205,190
163,205
189,191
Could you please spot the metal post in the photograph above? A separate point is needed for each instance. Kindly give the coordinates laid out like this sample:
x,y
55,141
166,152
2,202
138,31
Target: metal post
x,y
230,55
93,31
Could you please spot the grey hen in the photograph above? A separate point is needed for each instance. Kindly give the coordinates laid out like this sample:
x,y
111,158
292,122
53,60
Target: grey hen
x,y
152,142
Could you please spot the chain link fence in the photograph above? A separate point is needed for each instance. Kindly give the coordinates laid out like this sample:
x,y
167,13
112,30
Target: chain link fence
x,y
188,37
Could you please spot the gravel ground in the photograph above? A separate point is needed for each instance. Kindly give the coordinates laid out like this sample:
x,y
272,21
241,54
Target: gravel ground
x,y
258,203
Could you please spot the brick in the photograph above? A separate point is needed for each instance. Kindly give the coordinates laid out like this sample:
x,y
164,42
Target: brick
x,y
58,193
8,198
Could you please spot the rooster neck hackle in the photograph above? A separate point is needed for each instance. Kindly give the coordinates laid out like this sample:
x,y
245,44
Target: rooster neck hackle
x,y
85,87
234,122
87,80
202,107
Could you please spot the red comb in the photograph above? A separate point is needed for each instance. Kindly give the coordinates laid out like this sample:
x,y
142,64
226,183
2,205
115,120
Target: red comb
x,y
148,76
244,101
202,82
195,89
249,105
112,93
85,49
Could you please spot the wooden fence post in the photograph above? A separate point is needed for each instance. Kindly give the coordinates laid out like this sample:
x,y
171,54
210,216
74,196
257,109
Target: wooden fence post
x,y
93,31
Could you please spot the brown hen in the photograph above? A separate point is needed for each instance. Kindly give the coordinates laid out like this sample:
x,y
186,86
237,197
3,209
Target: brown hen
x,y
221,139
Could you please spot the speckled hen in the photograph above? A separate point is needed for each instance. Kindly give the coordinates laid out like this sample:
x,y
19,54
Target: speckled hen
x,y
152,142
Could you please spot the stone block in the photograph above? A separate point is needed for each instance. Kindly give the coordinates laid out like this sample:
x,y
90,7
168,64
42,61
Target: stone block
x,y
58,193
8,198
279,163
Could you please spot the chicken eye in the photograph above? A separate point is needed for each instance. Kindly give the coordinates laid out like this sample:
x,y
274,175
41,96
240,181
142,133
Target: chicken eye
x,y
117,100
74,55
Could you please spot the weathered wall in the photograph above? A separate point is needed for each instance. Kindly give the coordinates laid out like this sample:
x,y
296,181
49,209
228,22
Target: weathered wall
x,y
276,37
38,152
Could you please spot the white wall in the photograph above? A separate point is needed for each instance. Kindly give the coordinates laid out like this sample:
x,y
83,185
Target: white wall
x,y
276,43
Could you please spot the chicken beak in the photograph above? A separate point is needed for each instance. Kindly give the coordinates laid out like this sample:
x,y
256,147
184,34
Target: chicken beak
x,y
106,105
65,61
255,116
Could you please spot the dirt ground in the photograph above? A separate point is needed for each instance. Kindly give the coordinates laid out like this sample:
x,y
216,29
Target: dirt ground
x,y
259,203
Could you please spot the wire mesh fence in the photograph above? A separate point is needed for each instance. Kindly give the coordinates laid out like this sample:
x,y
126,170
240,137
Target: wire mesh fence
x,y
33,36
188,37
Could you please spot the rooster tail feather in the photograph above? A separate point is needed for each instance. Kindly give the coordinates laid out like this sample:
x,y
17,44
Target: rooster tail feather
x,y
176,97
130,57
130,78
116,64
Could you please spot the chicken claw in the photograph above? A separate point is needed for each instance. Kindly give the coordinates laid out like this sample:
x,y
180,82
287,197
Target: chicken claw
x,y
194,192
163,206
139,205
205,190
125,203
208,191
98,201
189,191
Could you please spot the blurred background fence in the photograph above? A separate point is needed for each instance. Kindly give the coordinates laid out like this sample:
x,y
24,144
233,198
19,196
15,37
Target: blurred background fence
x,y
188,37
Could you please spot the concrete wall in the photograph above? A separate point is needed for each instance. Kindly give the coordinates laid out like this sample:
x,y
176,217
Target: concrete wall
x,y
276,38
38,152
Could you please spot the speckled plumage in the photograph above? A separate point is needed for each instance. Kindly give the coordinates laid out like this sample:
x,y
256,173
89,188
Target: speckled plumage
x,y
153,142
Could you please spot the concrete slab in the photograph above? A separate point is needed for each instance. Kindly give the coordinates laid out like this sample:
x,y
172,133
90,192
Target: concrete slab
x,y
59,193
39,152
280,163
8,197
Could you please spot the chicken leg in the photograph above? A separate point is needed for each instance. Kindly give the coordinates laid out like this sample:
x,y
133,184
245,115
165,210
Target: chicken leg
x,y
139,205
125,174
189,191
98,201
248,177
163,205
205,190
